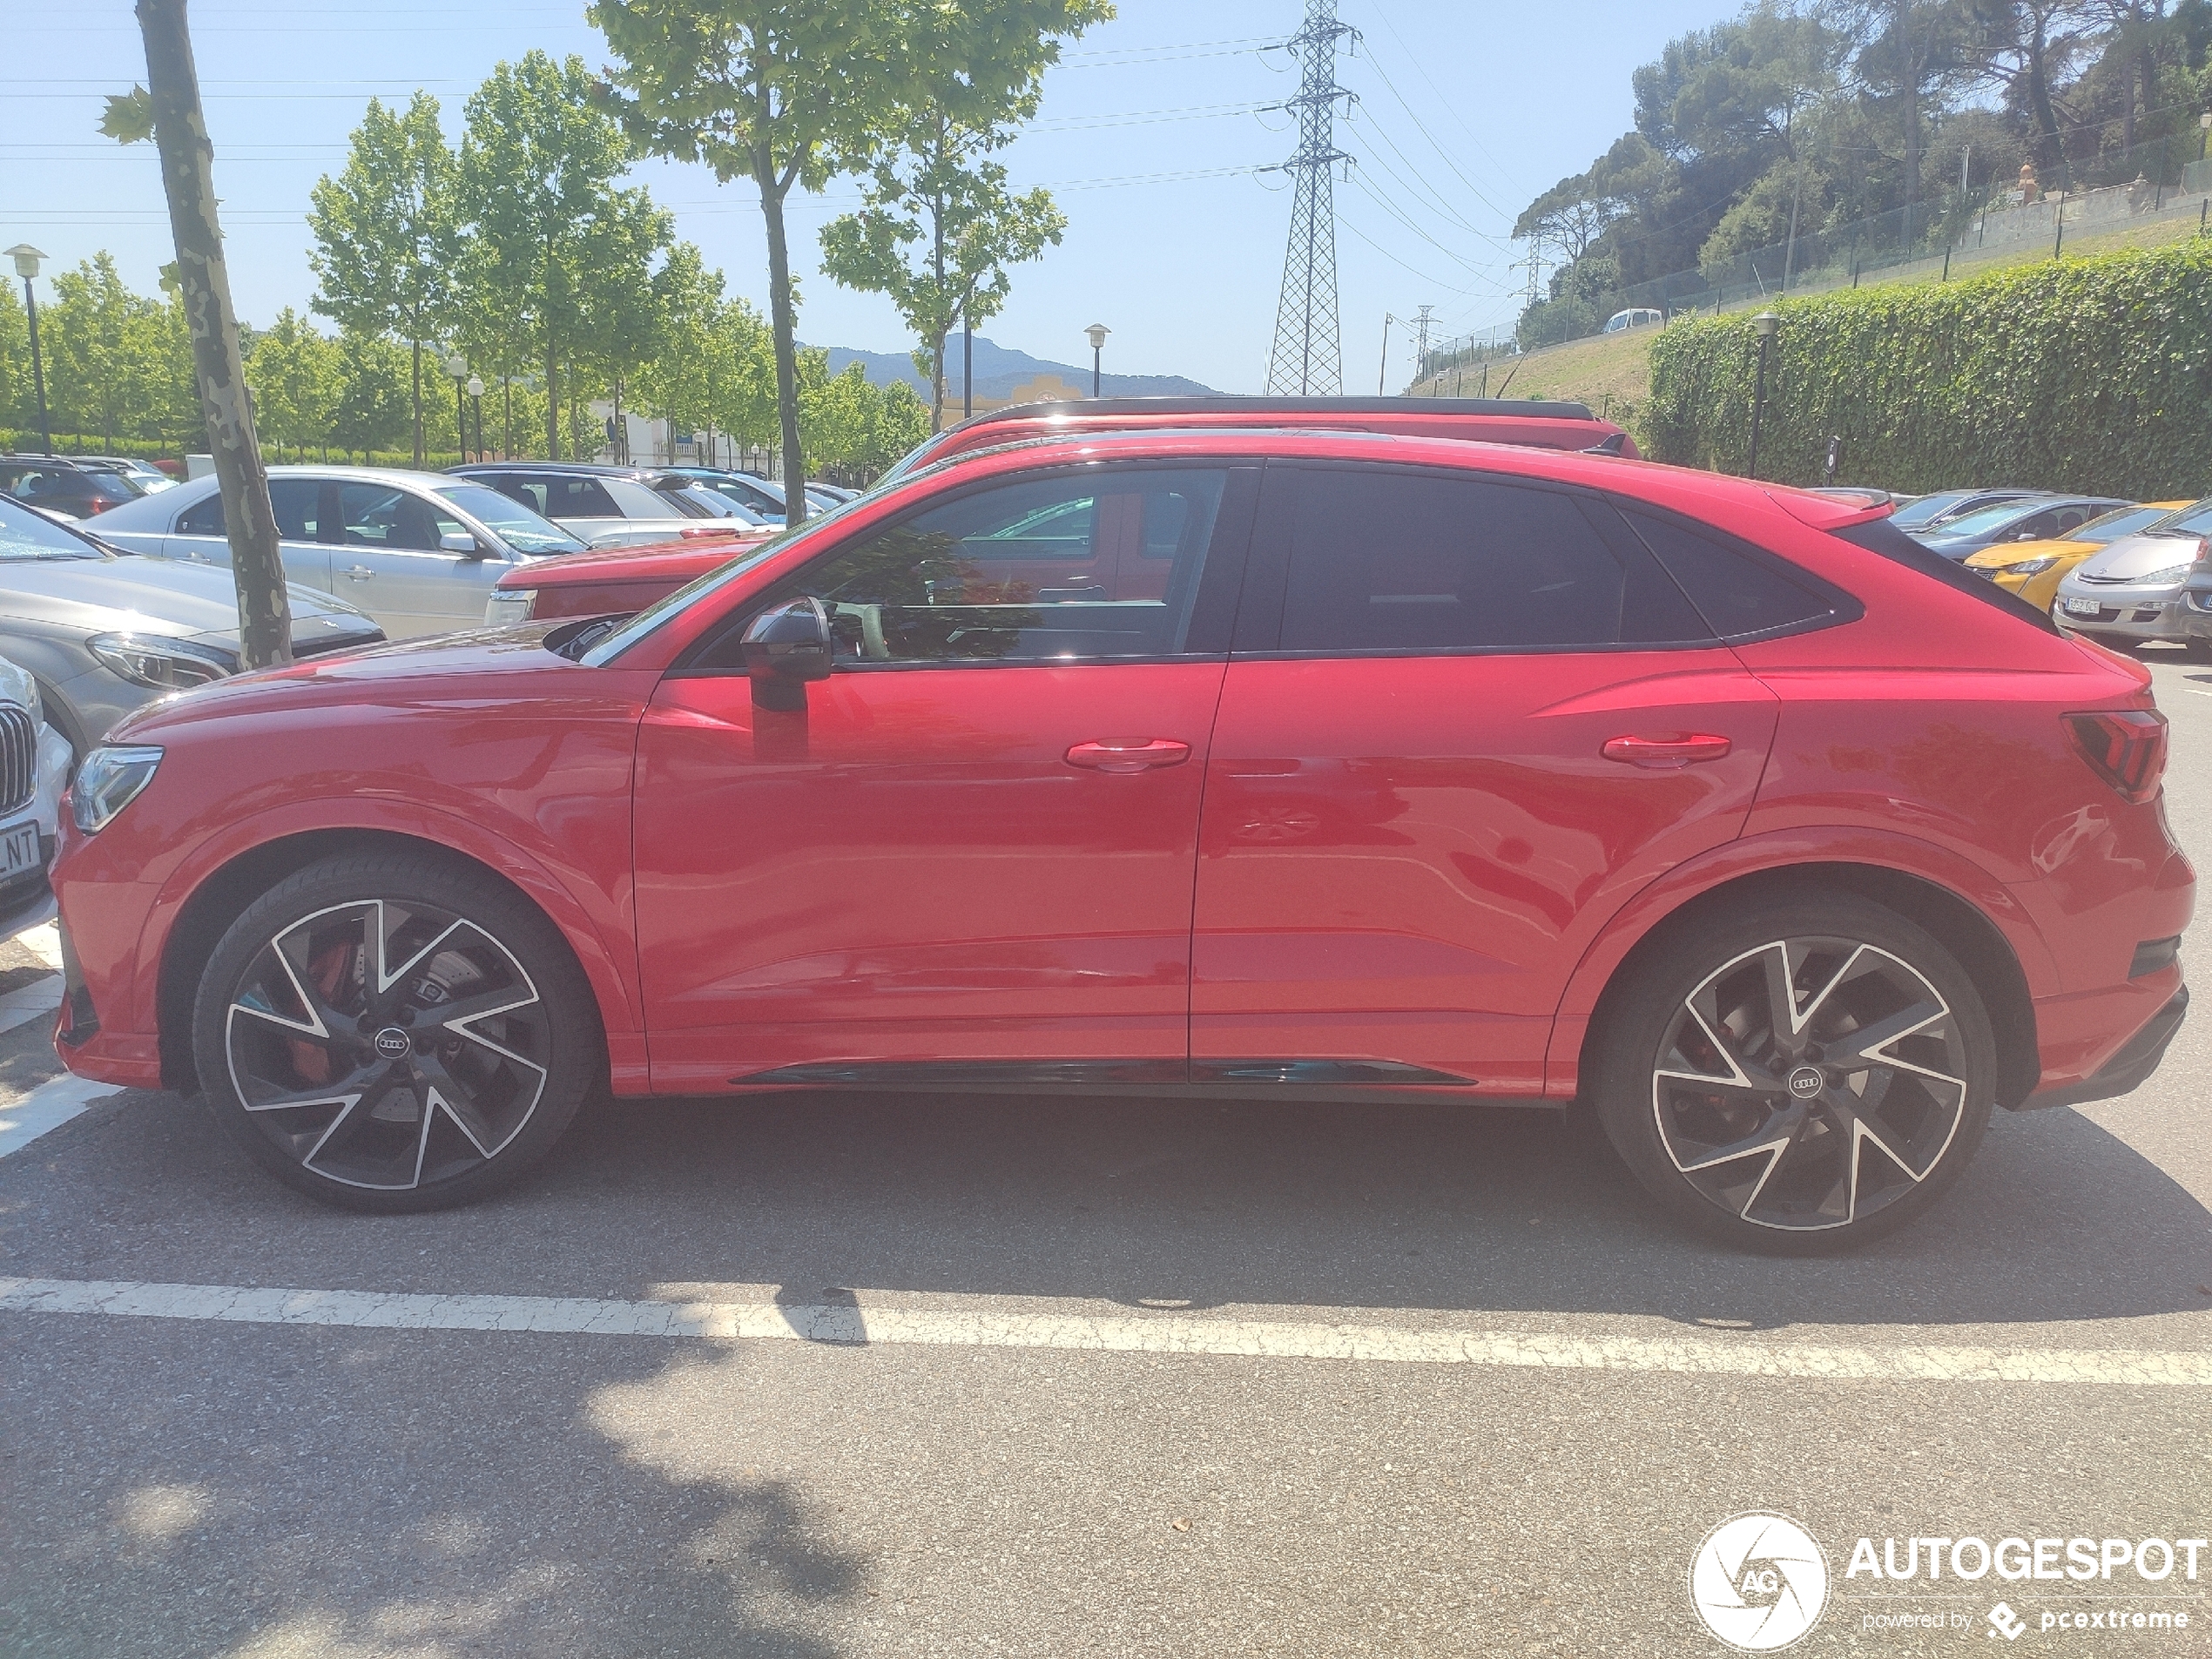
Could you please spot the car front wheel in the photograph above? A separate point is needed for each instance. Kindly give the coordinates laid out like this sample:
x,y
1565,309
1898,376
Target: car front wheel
x,y
391,1032
1796,1076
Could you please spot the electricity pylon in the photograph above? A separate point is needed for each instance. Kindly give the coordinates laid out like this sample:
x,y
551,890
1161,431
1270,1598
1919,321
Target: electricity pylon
x,y
1307,360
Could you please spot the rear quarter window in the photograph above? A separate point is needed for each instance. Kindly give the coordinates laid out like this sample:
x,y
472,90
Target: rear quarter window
x,y
1742,592
1880,536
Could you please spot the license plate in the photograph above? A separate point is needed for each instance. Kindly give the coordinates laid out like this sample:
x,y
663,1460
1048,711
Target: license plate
x,y
18,849
2083,607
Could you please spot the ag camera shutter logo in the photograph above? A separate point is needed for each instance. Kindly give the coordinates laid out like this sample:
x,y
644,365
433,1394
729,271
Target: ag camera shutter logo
x,y
1760,1582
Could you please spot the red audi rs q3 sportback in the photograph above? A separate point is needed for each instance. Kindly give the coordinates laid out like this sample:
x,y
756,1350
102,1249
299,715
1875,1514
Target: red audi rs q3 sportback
x,y
1293,765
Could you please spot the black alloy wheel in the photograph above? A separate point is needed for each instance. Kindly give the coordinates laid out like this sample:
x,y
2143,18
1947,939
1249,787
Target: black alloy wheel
x,y
1797,1079
394,1033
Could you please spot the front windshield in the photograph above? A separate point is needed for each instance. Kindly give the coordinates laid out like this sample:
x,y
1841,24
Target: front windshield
x,y
1985,519
515,524
651,618
2196,519
2113,526
26,534
1928,506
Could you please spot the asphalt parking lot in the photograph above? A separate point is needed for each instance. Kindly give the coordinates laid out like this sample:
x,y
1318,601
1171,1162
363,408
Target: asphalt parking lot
x,y
870,1375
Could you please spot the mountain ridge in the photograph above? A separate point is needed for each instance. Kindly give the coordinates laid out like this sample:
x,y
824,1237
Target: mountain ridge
x,y
999,369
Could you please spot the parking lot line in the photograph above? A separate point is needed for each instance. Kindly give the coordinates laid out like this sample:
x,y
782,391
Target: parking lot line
x,y
49,1106
1115,1331
39,997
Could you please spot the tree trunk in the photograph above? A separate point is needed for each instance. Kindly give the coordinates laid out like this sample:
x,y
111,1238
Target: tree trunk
x,y
507,436
418,396
188,178
622,427
785,324
552,403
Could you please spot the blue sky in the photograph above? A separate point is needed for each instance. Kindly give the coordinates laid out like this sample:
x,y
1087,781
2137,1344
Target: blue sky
x,y
1149,134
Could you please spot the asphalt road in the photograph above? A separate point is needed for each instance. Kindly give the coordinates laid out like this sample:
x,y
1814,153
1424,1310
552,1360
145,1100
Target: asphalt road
x,y
1138,1377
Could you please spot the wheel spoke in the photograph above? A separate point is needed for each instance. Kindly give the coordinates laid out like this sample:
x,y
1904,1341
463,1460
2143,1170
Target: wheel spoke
x,y
1798,1100
314,1036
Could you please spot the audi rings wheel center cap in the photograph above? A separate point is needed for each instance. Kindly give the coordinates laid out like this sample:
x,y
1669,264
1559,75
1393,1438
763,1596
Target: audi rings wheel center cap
x,y
1805,1083
394,1044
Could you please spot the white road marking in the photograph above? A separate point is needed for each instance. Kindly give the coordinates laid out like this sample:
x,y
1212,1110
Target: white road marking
x,y
49,1106
40,997
44,941
1110,1333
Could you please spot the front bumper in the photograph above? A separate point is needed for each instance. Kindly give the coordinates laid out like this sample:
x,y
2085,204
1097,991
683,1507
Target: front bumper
x,y
2137,1059
2144,614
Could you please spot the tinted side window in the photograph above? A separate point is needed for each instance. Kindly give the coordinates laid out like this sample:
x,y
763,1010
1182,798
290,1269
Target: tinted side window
x,y
1739,593
294,500
203,518
580,498
1389,560
1078,568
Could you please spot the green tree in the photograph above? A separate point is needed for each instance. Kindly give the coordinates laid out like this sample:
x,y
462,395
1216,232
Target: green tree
x,y
296,373
17,406
789,93
622,298
535,187
96,334
936,235
386,241
853,425
371,410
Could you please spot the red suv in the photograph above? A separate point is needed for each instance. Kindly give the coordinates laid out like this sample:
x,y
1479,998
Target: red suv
x,y
1302,766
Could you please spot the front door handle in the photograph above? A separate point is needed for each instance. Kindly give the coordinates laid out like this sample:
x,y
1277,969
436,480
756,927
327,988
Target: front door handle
x,y
1129,754
1666,752
357,573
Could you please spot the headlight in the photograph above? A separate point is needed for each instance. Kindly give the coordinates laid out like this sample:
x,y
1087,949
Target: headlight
x,y
2030,567
2172,575
17,686
509,605
166,664
109,781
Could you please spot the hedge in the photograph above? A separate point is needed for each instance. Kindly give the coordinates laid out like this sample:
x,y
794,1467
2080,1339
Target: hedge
x,y
2091,374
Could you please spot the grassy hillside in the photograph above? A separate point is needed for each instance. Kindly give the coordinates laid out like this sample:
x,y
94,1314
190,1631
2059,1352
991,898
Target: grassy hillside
x,y
1612,372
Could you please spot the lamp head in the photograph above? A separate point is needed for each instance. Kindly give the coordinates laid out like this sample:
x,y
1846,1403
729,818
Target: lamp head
x,y
26,258
456,365
1098,331
475,386
1766,322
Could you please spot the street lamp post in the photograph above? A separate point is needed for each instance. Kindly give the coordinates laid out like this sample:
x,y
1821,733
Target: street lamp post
x,y
1766,322
2203,133
1097,331
477,403
27,257
457,366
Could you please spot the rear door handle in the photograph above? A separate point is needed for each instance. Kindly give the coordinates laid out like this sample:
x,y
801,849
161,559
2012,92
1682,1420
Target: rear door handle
x,y
1129,754
1672,751
357,573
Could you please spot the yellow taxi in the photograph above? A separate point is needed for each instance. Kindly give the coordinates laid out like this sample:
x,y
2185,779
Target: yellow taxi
x,y
2033,569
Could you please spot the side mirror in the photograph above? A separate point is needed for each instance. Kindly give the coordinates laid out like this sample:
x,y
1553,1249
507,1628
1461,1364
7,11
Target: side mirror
x,y
462,543
785,648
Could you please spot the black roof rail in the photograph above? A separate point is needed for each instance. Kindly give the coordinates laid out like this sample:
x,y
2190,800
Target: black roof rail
x,y
1526,408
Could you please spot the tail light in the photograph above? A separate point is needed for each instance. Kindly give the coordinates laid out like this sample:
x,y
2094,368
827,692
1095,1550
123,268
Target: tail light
x,y
701,533
97,504
2125,747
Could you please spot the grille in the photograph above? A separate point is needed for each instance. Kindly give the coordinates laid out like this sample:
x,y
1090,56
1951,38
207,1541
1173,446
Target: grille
x,y
19,758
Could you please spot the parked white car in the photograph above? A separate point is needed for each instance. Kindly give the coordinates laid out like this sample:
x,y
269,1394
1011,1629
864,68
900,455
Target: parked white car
x,y
34,770
418,551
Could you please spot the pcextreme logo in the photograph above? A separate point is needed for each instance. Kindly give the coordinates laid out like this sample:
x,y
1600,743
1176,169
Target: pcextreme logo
x,y
1760,1582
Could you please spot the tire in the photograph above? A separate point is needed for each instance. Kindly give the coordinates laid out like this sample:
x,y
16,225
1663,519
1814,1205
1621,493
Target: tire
x,y
2199,650
1771,1144
332,1086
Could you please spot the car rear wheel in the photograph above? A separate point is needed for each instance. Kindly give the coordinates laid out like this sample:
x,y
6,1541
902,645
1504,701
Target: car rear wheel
x,y
390,1032
1795,1077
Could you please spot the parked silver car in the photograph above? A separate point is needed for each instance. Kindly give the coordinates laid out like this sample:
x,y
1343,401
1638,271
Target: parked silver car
x,y
605,506
418,551
104,632
2131,592
34,770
